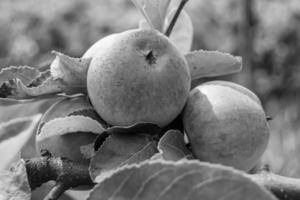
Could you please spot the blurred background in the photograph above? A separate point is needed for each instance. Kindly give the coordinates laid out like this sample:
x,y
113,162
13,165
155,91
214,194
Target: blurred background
x,y
265,32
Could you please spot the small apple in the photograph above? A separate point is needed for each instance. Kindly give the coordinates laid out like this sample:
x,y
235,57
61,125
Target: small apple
x,y
226,124
137,76
67,145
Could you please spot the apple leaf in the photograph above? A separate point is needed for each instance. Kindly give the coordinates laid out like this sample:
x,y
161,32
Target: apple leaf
x,y
121,149
66,75
66,106
172,147
70,72
14,135
182,33
24,73
49,86
143,24
14,182
70,124
20,83
90,112
212,63
154,11
163,180
7,102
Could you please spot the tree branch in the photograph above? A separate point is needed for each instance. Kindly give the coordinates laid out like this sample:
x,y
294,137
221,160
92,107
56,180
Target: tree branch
x,y
174,19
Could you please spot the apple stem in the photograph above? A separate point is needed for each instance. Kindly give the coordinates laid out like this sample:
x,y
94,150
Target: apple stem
x,y
174,19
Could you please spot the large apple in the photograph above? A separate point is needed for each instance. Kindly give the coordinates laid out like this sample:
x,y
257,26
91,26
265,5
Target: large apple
x,y
137,76
226,124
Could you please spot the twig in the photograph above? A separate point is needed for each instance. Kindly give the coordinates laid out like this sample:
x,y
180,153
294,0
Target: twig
x,y
174,19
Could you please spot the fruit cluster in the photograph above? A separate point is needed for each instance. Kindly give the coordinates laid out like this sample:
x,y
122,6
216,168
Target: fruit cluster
x,y
144,76
140,76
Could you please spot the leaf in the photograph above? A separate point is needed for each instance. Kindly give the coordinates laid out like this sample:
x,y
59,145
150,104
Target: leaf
x,y
13,102
71,72
14,135
66,107
24,73
70,124
118,150
212,63
143,24
154,11
183,31
14,183
163,180
172,147
66,75
90,112
49,86
21,83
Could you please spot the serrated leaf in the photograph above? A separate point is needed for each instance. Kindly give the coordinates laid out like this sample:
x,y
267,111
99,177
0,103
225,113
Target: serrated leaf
x,y
154,11
183,31
163,180
71,72
70,124
14,135
66,75
118,150
49,86
212,63
172,147
25,82
14,183
24,73
66,107
90,112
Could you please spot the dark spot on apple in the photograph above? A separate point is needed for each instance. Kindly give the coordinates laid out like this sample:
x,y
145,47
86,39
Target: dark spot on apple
x,y
150,58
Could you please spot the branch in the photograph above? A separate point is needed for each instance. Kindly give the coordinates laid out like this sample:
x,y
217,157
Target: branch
x,y
66,173
174,19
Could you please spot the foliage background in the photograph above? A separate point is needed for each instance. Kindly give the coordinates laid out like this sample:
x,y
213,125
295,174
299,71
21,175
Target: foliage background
x,y
268,40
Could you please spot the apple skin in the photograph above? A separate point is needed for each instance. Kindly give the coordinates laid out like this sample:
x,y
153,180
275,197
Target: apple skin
x,y
226,124
67,145
137,76
104,42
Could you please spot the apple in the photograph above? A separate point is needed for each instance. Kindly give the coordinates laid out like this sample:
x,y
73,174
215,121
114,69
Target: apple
x,y
67,145
226,124
137,76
